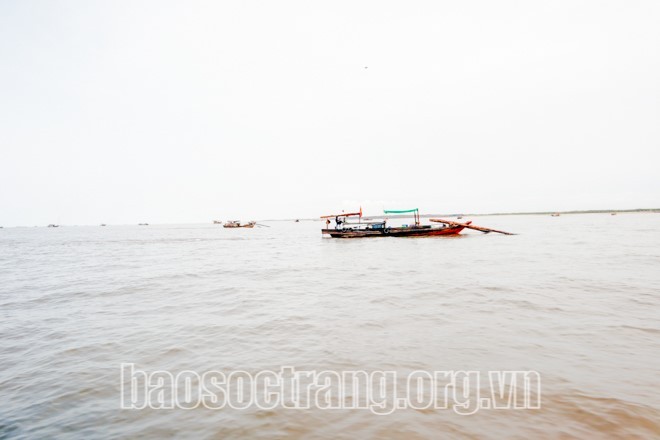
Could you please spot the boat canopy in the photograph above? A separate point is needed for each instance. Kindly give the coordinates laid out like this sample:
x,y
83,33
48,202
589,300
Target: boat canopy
x,y
390,211
404,211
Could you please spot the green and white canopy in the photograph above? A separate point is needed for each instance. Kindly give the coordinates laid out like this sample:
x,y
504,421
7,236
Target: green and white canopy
x,y
390,211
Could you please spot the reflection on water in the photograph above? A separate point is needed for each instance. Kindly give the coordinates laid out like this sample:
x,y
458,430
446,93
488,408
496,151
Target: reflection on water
x,y
575,298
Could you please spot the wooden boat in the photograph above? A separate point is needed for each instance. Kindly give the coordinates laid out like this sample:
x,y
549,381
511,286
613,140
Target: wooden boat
x,y
238,224
345,229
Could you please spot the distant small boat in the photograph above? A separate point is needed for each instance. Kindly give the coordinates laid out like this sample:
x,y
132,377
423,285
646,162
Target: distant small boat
x,y
614,213
217,222
459,217
556,214
238,224
53,226
143,224
102,224
297,221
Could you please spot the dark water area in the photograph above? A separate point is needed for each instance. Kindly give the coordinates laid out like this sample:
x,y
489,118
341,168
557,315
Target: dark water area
x,y
575,298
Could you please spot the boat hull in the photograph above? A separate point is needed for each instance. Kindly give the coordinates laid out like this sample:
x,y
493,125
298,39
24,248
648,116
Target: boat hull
x,y
393,232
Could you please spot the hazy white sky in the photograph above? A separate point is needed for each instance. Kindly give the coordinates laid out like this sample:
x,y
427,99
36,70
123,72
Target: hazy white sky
x,y
131,111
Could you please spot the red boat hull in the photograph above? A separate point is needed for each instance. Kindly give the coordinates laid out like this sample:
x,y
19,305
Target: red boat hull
x,y
393,232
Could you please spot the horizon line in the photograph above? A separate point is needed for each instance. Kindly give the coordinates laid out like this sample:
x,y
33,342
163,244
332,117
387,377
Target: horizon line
x,y
589,211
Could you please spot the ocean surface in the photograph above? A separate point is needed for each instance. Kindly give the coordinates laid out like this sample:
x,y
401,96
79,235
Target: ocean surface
x,y
575,298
